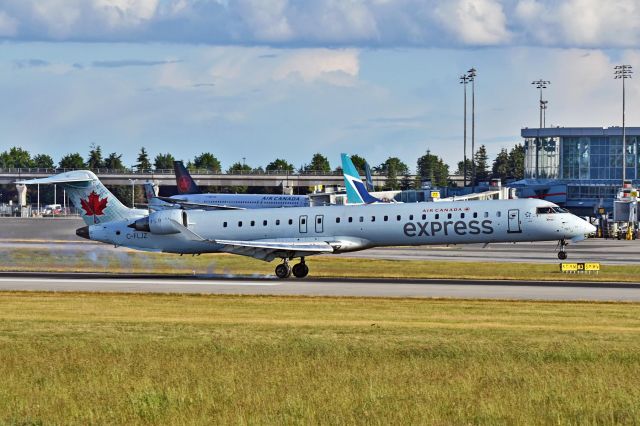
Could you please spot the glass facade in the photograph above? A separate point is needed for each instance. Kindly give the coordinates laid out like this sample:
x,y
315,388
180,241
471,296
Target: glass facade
x,y
542,159
594,158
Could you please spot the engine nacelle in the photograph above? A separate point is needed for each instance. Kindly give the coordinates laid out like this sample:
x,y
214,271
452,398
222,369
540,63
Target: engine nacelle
x,y
162,222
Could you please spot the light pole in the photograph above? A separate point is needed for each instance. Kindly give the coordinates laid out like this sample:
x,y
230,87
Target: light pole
x,y
464,79
540,84
623,72
133,191
472,77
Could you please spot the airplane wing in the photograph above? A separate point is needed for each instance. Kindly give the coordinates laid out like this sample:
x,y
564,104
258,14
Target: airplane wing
x,y
269,250
190,205
263,250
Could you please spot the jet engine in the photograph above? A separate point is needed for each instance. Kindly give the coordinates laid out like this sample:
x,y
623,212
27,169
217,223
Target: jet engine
x,y
162,222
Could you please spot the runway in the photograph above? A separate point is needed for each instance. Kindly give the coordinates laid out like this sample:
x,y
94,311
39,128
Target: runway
x,y
513,290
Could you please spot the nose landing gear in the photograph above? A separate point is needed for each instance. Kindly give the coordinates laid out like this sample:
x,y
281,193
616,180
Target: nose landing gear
x,y
300,270
562,254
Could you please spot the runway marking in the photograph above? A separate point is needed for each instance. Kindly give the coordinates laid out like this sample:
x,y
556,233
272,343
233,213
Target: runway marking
x,y
159,282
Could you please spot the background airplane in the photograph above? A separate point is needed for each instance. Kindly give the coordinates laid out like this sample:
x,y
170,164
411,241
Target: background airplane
x,y
190,196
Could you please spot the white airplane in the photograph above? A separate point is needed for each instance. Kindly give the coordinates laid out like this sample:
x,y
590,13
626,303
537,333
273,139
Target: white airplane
x,y
298,232
189,197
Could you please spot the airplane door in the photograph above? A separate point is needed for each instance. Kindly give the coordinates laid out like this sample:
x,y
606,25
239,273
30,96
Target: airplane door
x,y
514,221
319,223
303,224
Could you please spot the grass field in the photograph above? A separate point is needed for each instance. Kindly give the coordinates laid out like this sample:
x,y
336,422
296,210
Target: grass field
x,y
100,260
171,359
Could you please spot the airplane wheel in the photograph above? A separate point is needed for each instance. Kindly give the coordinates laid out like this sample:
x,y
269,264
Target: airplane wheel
x,y
300,270
562,255
283,271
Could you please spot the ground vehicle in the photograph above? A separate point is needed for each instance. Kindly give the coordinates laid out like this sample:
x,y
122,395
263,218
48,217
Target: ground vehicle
x,y
52,210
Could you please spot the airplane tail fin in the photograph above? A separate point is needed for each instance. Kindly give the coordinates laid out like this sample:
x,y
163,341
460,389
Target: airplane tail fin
x,y
150,191
93,200
356,191
369,181
184,181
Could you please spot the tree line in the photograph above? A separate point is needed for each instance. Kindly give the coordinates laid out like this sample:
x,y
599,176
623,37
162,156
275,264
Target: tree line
x,y
507,165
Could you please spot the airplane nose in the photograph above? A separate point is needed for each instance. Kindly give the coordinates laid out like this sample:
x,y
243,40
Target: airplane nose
x,y
83,232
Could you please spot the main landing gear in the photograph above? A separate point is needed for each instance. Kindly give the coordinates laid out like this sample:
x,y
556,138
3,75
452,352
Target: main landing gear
x,y
300,270
562,254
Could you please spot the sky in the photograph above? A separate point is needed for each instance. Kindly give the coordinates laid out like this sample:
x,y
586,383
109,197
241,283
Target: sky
x,y
265,79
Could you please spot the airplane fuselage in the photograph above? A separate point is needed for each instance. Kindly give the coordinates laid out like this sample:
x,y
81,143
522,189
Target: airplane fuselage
x,y
350,228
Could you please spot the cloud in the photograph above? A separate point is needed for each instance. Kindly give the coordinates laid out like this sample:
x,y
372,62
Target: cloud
x,y
30,63
8,25
579,23
130,63
328,23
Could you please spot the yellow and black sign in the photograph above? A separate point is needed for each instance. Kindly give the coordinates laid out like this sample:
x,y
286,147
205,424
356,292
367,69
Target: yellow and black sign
x,y
580,267
435,194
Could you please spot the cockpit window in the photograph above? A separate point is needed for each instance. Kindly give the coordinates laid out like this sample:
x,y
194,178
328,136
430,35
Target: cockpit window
x,y
544,210
550,210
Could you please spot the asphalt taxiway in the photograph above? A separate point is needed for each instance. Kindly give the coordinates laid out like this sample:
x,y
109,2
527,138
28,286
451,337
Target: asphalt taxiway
x,y
438,288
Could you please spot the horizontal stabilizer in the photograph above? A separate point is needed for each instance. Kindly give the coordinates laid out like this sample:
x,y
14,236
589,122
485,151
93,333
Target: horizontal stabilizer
x,y
67,177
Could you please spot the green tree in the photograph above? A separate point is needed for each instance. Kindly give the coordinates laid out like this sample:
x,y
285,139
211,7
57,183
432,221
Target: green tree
x,y
95,160
143,162
319,163
516,162
16,157
279,164
358,162
460,170
482,164
500,167
238,168
392,167
163,161
72,161
431,167
43,161
114,162
208,161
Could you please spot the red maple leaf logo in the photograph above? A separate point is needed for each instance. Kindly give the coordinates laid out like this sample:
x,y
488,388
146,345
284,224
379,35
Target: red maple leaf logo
x,y
93,205
183,183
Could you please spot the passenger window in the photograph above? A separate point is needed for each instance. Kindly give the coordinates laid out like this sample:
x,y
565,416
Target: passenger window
x,y
410,217
373,218
486,214
277,221
361,218
350,219
253,223
437,216
337,220
290,221
224,224
498,213
461,215
264,223
448,215
386,218
399,218
475,215
424,217
240,224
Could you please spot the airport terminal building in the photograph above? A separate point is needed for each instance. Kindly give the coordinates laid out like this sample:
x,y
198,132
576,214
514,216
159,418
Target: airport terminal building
x,y
578,167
